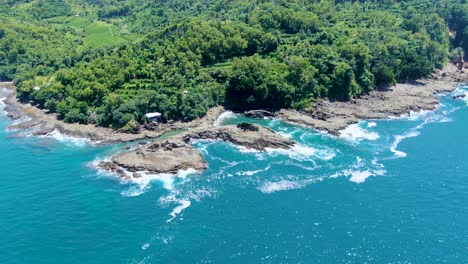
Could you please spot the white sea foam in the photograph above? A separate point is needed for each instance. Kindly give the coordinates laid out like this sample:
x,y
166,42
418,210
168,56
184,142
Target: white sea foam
x,y
21,120
285,134
418,115
177,210
426,117
243,149
2,105
301,152
361,170
355,133
398,140
283,185
361,176
461,91
145,246
143,182
371,124
412,115
184,199
75,141
224,117
252,172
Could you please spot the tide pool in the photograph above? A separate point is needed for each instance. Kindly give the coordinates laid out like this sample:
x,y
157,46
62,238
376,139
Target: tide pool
x,y
386,191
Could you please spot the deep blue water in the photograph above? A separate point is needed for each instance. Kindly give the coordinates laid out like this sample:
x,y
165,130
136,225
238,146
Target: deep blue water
x,y
389,191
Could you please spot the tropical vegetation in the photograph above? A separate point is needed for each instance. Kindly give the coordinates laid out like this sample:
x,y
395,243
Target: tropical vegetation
x,y
109,62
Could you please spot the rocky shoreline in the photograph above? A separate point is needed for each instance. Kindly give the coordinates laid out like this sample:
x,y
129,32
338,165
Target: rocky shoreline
x,y
29,116
174,153
383,103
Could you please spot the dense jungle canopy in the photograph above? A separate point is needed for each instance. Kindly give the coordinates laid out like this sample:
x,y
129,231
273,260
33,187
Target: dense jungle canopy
x,y
111,61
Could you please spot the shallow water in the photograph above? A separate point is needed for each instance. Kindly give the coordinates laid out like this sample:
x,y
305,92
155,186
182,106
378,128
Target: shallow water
x,y
387,191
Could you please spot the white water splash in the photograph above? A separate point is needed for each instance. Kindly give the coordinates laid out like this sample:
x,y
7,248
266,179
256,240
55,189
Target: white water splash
x,y
356,133
412,115
301,153
143,183
223,117
74,141
2,105
461,91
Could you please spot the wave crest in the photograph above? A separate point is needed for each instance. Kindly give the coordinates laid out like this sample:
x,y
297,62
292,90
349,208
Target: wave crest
x,y
74,141
223,117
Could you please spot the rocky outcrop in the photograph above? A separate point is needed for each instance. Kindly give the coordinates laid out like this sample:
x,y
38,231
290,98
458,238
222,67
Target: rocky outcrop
x,y
246,135
160,157
175,154
259,114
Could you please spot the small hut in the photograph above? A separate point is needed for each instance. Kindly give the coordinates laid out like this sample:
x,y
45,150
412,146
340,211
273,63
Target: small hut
x,y
153,117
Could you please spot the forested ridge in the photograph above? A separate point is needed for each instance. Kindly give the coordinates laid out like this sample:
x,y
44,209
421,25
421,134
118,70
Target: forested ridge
x,y
111,61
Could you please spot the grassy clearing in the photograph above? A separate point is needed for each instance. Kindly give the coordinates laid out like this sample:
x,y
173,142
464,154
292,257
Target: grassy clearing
x,y
100,34
80,21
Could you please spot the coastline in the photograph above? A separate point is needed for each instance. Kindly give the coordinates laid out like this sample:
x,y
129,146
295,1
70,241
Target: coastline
x,y
171,151
396,100
29,116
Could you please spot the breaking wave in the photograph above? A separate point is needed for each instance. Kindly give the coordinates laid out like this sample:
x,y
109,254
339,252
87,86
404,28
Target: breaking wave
x,y
315,158
74,141
144,180
170,182
356,133
224,117
302,152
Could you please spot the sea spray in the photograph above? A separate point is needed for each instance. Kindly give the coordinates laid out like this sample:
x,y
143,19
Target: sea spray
x,y
224,117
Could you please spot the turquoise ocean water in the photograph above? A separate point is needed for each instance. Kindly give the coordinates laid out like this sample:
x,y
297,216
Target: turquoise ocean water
x,y
388,191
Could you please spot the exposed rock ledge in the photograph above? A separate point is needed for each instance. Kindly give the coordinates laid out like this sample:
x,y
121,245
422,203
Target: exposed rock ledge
x,y
160,157
380,104
246,135
175,154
